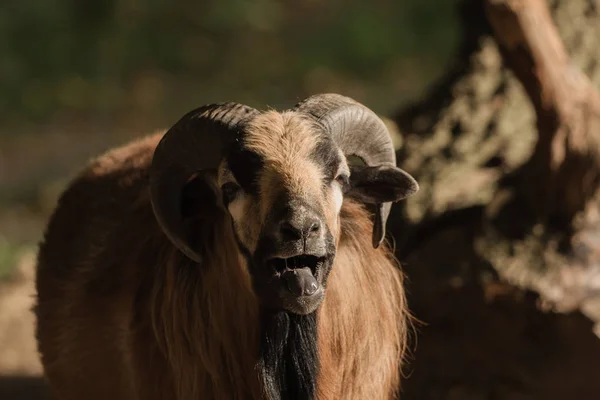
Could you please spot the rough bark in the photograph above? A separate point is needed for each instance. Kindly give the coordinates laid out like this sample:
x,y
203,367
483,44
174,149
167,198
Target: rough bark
x,y
563,173
506,149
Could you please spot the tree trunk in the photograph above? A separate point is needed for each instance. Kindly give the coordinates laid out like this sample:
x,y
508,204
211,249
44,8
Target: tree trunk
x,y
563,173
507,152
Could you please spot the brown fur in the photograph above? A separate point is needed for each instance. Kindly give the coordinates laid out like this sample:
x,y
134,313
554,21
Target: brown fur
x,y
362,325
123,315
285,142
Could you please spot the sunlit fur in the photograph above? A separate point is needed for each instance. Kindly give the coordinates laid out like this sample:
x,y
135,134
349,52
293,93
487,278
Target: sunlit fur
x,y
123,315
362,325
285,142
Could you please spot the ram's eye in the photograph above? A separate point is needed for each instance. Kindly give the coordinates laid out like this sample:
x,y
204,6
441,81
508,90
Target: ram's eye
x,y
344,181
229,190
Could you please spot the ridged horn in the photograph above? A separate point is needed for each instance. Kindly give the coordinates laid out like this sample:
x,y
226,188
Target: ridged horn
x,y
359,132
195,143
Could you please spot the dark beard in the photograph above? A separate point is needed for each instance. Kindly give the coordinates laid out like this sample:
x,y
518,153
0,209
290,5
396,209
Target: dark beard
x,y
289,361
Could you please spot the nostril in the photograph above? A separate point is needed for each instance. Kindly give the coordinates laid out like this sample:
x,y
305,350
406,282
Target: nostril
x,y
292,230
289,231
314,227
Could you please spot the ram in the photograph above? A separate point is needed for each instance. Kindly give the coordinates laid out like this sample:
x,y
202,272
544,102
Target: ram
x,y
241,255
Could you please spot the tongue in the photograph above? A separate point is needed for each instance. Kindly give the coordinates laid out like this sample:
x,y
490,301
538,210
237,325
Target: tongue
x,y
300,281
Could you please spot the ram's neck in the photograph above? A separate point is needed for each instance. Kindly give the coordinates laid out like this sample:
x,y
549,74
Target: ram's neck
x,y
362,322
208,325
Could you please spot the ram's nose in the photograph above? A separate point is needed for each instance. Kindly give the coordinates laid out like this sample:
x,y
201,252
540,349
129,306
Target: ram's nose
x,y
297,226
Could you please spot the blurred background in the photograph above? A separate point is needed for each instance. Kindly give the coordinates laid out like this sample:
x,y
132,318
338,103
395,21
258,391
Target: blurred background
x,y
77,77
503,279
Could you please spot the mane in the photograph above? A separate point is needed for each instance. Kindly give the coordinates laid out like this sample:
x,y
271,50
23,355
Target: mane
x,y
221,344
206,318
289,359
364,320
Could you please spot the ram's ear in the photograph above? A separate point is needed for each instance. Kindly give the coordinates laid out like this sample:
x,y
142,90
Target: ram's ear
x,y
381,184
199,196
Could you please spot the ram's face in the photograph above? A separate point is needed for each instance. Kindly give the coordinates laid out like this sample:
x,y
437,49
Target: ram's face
x,y
283,187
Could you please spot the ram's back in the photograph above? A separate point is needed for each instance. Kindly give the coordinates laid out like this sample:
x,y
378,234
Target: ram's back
x,y
91,276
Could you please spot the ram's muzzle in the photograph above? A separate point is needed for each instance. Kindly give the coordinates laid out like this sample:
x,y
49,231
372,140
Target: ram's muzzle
x,y
293,258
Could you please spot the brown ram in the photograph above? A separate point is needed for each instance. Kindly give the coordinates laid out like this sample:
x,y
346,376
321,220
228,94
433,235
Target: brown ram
x,y
238,256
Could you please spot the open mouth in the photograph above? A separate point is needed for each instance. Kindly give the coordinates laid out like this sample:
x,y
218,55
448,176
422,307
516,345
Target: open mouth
x,y
281,265
298,272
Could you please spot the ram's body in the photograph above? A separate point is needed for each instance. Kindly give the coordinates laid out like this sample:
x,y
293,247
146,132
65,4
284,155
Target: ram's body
x,y
124,315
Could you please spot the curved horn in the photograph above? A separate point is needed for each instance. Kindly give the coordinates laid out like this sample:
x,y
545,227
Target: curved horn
x,y
361,133
196,142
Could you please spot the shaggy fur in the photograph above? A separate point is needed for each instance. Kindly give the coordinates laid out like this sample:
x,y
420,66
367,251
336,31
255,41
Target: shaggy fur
x,y
289,361
122,314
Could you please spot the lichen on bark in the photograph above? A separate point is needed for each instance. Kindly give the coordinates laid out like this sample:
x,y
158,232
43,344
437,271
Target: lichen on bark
x,y
492,229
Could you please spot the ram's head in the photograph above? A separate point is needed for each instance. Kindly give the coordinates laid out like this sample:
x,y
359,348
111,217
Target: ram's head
x,y
282,178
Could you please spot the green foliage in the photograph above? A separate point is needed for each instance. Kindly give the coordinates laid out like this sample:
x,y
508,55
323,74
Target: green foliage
x,y
113,55
9,257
